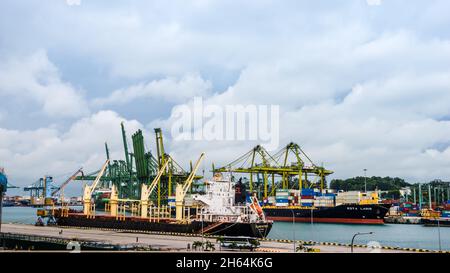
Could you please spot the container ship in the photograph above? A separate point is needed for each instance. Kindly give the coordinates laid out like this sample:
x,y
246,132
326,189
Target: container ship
x,y
436,218
216,215
313,205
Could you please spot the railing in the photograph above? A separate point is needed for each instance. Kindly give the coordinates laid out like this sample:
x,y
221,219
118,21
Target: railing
x,y
65,242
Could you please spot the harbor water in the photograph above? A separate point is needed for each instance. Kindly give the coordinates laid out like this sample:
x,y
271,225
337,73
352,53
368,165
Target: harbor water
x,y
399,235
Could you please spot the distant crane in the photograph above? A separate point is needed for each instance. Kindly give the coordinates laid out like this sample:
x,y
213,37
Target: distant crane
x,y
63,185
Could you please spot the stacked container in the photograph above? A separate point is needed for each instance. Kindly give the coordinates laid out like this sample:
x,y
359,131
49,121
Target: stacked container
x,y
282,198
307,198
324,201
350,197
294,197
445,214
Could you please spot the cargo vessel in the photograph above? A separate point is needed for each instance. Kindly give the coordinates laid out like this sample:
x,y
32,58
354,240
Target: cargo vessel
x,y
317,206
218,215
436,222
345,214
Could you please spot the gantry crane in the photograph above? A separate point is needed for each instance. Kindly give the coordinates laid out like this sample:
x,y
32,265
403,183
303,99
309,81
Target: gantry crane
x,y
258,161
181,190
301,165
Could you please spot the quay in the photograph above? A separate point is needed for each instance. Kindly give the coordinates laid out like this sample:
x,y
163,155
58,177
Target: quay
x,y
98,239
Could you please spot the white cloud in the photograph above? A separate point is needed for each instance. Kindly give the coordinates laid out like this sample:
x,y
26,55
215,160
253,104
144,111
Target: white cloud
x,y
169,89
389,120
28,155
37,79
359,87
374,2
73,2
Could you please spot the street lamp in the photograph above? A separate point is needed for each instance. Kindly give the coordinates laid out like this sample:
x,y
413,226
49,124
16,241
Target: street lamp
x,y
365,180
357,234
293,227
439,234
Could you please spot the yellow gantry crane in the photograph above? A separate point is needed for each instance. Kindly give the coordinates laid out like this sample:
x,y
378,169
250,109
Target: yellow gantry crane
x,y
181,190
88,190
147,190
259,161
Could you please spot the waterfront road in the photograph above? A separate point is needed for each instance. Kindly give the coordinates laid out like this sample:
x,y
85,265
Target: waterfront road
x,y
161,242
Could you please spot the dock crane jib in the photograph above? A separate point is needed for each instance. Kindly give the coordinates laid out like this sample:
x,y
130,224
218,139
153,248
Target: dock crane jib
x,y
88,190
181,190
147,190
63,185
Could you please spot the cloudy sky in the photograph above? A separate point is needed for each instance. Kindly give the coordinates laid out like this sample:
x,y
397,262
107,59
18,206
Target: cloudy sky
x,y
360,83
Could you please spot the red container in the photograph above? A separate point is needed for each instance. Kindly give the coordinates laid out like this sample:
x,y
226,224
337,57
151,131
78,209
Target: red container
x,y
307,197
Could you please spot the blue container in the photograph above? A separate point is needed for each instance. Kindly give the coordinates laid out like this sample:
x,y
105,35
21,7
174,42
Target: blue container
x,y
282,200
307,204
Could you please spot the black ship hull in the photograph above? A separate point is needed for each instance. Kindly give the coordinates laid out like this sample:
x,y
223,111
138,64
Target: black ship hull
x,y
435,222
346,214
256,230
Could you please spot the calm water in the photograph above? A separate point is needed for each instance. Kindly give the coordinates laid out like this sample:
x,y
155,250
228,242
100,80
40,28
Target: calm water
x,y
414,236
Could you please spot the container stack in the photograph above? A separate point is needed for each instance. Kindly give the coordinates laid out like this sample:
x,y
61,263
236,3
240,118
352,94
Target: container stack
x,y
307,197
409,209
350,197
324,201
294,197
282,198
445,214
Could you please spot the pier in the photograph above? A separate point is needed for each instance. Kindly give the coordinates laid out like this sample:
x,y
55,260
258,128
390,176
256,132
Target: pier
x,y
29,237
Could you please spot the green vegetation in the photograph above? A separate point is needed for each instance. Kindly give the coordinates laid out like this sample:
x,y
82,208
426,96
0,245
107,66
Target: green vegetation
x,y
373,183
391,187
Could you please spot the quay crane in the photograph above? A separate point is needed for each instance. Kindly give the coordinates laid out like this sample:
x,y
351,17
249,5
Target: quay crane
x,y
43,191
260,162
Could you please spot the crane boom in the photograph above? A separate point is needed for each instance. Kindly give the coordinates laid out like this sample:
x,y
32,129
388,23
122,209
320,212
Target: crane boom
x,y
191,176
63,185
181,190
147,190
89,189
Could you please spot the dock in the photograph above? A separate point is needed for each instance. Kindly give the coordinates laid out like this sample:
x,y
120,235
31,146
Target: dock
x,y
96,239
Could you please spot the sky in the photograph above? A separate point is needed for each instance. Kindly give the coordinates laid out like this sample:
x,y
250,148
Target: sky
x,y
360,83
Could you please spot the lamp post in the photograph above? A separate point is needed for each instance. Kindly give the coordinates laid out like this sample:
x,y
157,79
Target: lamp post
x,y
293,228
357,234
203,241
439,234
1,207
365,180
